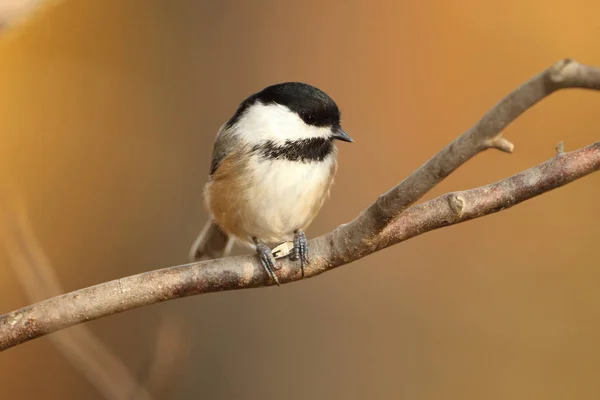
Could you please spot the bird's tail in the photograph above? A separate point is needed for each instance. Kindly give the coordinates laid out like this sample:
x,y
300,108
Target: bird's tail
x,y
211,243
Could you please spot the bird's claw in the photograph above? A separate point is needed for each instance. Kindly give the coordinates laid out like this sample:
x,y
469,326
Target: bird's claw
x,y
300,250
267,260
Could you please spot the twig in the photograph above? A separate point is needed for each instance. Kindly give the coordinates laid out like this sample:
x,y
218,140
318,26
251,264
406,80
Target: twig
x,y
386,222
453,208
484,135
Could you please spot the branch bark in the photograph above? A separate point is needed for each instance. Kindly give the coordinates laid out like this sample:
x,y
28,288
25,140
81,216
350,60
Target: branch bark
x,y
80,346
388,221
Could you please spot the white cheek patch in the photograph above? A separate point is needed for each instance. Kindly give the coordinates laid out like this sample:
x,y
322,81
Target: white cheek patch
x,y
275,122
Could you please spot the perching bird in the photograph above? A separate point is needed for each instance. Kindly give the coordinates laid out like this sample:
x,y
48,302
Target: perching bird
x,y
272,166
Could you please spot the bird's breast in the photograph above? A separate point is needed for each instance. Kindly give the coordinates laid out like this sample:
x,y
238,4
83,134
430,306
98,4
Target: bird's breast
x,y
285,196
274,197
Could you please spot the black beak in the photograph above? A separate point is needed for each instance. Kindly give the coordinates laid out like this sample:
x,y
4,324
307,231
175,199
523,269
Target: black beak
x,y
339,134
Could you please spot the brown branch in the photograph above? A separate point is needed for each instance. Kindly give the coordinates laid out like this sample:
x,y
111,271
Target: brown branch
x,y
484,135
457,207
90,357
386,222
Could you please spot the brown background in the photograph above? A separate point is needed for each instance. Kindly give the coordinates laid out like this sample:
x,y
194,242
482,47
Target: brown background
x,y
108,110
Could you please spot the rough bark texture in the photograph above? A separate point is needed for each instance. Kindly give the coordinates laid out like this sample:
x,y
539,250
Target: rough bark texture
x,y
388,221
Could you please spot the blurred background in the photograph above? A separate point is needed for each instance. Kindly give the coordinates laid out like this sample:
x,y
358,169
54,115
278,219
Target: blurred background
x,y
108,111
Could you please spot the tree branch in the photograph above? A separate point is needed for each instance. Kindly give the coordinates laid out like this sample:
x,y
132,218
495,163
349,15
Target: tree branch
x,y
80,346
386,222
485,134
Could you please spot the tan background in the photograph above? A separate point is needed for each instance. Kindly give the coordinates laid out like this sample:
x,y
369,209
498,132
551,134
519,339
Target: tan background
x,y
108,110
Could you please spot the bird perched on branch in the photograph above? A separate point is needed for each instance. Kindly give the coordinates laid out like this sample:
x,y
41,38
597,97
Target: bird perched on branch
x,y
272,166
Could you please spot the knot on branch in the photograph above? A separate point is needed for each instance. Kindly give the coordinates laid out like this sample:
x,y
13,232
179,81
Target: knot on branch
x,y
457,204
561,71
500,143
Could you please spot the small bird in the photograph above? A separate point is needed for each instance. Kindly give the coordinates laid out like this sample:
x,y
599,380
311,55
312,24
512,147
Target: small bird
x,y
272,166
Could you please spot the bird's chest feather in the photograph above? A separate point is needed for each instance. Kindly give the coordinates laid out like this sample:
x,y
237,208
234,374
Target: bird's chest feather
x,y
285,195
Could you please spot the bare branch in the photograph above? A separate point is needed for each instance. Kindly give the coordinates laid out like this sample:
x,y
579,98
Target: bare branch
x,y
453,208
483,135
328,252
386,222
105,371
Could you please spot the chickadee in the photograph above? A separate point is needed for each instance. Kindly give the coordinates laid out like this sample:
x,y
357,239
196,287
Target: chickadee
x,y
272,166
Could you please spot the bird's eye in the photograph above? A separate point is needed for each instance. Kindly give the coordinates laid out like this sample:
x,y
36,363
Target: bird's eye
x,y
309,118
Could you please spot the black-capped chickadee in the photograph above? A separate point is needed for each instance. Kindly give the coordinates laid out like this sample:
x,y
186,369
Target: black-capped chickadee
x,y
272,166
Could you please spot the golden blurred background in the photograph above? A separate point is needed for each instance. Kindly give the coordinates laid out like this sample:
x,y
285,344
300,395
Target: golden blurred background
x,y
108,110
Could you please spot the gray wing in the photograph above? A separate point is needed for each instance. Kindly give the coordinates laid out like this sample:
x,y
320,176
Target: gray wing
x,y
224,142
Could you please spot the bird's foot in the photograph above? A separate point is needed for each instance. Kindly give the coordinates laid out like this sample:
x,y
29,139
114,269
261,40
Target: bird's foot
x,y
300,250
266,259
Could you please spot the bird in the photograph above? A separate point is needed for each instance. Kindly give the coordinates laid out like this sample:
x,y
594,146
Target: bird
x,y
273,164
